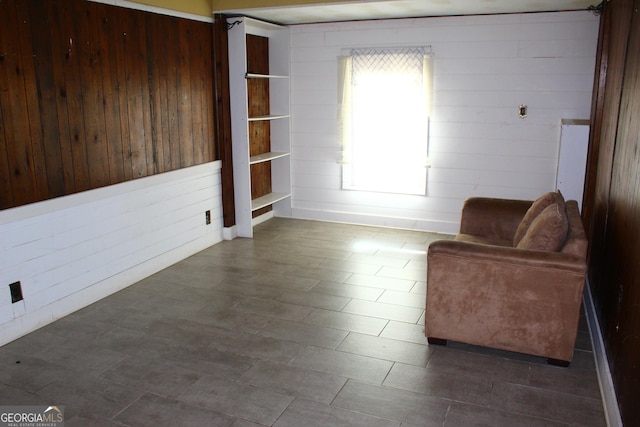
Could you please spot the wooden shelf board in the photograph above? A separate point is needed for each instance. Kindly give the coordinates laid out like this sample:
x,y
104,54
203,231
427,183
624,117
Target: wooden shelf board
x,y
268,199
264,76
270,117
266,157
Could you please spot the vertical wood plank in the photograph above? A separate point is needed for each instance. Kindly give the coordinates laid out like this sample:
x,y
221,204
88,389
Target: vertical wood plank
x,y
47,136
157,71
7,59
72,94
121,24
197,94
91,83
166,80
184,97
6,195
15,109
596,115
222,116
37,163
207,76
173,72
147,142
110,83
60,50
135,71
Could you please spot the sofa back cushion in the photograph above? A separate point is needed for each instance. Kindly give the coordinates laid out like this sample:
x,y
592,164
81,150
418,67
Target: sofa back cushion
x,y
532,213
577,242
548,231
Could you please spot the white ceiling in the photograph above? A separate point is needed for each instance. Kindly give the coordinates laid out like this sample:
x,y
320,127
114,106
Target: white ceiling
x,y
381,9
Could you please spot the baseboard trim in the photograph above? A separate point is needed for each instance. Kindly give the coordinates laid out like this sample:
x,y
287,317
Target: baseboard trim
x,y
609,400
376,220
262,218
230,233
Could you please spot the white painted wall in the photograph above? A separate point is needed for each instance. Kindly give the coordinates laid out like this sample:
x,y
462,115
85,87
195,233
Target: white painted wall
x,y
72,251
485,67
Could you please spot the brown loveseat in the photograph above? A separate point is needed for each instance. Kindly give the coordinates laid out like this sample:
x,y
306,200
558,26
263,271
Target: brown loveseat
x,y
512,278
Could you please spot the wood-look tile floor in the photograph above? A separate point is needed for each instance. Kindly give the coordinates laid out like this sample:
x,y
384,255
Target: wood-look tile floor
x,y
308,324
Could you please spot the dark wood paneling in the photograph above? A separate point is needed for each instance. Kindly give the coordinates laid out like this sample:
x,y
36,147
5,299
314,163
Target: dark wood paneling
x,y
93,95
597,109
612,204
616,24
15,83
623,232
222,116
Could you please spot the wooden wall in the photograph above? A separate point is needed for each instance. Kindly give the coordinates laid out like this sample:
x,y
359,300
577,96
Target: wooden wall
x,y
612,203
93,95
223,116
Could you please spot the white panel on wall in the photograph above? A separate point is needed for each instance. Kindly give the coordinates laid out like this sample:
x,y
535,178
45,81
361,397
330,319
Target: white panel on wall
x,y
572,159
485,67
71,251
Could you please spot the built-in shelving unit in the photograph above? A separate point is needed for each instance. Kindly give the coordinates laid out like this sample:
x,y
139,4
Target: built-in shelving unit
x,y
259,85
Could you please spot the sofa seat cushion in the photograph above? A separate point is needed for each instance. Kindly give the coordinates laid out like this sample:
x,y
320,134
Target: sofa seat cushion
x,y
548,231
484,240
536,209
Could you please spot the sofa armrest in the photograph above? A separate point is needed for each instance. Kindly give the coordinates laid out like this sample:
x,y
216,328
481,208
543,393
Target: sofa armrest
x,y
483,216
511,299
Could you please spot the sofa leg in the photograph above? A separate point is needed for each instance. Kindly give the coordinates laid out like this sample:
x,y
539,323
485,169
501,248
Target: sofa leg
x,y
557,362
436,341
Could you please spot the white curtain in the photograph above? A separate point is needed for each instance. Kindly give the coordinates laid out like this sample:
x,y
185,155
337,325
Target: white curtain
x,y
427,71
344,108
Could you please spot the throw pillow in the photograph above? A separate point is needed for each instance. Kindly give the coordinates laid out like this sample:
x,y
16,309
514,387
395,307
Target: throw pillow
x,y
536,208
548,231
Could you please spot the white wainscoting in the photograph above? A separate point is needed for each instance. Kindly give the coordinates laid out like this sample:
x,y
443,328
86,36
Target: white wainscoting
x,y
72,251
485,68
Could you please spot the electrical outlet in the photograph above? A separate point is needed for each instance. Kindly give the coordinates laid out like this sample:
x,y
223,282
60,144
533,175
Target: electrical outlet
x,y
207,217
16,292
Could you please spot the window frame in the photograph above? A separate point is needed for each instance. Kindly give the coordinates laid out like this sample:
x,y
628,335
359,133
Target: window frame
x,y
346,126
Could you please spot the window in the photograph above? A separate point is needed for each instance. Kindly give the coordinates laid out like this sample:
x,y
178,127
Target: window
x,y
384,116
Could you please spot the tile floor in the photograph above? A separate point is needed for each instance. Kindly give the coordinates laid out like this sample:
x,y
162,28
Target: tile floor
x,y
308,324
